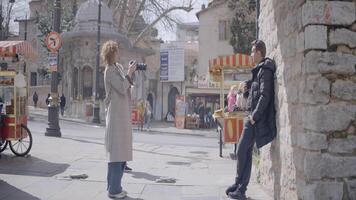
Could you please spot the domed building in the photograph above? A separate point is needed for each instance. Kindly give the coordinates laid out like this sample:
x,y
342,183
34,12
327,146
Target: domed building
x,y
78,58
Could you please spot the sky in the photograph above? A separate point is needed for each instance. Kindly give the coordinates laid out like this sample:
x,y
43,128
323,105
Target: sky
x,y
21,9
182,16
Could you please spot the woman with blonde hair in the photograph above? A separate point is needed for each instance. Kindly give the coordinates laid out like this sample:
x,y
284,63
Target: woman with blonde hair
x,y
118,134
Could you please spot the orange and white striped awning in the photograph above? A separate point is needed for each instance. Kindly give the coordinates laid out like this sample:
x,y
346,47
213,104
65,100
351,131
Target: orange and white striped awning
x,y
232,61
11,48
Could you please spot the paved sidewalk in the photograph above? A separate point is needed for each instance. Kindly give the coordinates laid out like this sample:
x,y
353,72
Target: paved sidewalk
x,y
156,126
199,173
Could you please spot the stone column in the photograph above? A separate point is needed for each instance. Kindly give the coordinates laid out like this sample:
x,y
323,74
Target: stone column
x,y
313,44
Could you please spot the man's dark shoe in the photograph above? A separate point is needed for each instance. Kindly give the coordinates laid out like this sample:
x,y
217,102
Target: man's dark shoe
x,y
232,188
127,169
237,195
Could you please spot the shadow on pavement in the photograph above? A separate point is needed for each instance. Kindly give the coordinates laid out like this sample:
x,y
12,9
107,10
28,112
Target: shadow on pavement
x,y
29,166
130,198
8,191
199,152
179,163
143,175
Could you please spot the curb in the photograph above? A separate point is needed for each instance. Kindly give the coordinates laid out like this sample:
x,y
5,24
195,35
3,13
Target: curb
x,y
34,116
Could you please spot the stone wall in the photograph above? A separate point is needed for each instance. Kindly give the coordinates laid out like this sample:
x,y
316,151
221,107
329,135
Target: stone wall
x,y
314,45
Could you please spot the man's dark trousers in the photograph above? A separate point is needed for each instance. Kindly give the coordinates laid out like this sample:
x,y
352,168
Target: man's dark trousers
x,y
244,156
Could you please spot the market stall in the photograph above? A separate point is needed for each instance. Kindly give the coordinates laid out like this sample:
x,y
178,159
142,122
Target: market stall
x,y
13,96
230,124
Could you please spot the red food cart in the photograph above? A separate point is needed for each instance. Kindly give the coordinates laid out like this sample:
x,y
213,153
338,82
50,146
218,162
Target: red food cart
x,y
223,71
13,96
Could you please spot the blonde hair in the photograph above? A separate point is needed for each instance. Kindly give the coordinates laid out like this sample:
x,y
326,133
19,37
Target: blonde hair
x,y
108,51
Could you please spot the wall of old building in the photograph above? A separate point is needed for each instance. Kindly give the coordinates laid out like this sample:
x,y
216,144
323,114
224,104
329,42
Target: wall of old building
x,y
209,44
313,44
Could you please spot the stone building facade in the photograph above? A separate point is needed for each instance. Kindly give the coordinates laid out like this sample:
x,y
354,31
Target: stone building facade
x,y
313,44
78,58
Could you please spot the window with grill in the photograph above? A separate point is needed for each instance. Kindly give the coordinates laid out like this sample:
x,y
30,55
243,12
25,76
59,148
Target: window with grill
x,y
33,78
224,30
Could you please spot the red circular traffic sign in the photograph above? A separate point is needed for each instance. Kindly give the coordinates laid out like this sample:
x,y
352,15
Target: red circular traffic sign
x,y
53,41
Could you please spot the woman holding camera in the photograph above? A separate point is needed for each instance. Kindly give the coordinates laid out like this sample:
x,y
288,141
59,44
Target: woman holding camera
x,y
118,134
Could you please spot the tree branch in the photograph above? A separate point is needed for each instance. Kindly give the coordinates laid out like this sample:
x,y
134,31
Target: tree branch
x,y
138,11
187,9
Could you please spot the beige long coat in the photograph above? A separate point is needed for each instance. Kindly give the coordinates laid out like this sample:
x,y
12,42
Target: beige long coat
x,y
118,134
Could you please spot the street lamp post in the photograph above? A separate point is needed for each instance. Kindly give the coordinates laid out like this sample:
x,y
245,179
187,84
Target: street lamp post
x,y
96,118
53,115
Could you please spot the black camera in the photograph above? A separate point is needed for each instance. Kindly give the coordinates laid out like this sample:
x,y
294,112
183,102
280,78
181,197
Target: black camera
x,y
139,66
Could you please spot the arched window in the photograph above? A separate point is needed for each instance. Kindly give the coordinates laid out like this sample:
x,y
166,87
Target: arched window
x,y
75,79
172,100
87,82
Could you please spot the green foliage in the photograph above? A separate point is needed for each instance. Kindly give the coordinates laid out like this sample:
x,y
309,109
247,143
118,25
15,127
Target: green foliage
x,y
243,25
44,20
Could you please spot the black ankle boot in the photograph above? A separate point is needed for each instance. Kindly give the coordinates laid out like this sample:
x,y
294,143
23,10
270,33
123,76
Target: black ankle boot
x,y
232,188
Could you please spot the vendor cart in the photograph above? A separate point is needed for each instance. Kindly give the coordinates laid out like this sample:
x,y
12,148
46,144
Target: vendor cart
x,y
14,96
230,125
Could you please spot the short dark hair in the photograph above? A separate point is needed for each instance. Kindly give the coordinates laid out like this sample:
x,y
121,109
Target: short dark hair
x,y
260,46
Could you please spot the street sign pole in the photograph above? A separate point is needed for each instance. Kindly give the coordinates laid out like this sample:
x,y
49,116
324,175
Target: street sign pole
x,y
96,118
53,110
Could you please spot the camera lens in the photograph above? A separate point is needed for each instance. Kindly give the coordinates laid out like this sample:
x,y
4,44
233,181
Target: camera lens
x,y
141,66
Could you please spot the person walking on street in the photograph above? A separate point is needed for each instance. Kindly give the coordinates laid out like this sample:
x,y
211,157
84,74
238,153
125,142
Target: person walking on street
x,y
148,114
47,99
35,99
118,133
260,124
141,113
62,104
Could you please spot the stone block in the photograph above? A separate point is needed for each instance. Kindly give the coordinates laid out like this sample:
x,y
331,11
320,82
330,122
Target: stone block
x,y
318,166
323,190
315,37
329,62
351,188
328,118
328,13
312,141
315,90
338,167
345,90
345,145
313,165
343,36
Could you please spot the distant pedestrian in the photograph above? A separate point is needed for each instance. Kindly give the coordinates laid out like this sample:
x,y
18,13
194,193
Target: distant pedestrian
x,y
1,105
47,99
35,99
260,123
62,104
141,113
118,133
148,115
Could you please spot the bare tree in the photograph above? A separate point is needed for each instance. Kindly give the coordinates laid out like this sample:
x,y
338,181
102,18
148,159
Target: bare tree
x,y
129,13
5,18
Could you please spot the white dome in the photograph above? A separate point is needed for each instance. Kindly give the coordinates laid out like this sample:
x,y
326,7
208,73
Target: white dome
x,y
86,23
88,11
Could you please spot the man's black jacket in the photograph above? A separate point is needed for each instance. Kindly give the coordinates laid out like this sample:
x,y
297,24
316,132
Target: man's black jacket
x,y
260,101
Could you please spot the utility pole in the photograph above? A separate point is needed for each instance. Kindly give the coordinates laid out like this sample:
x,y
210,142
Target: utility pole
x,y
53,114
96,118
25,35
1,20
257,16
